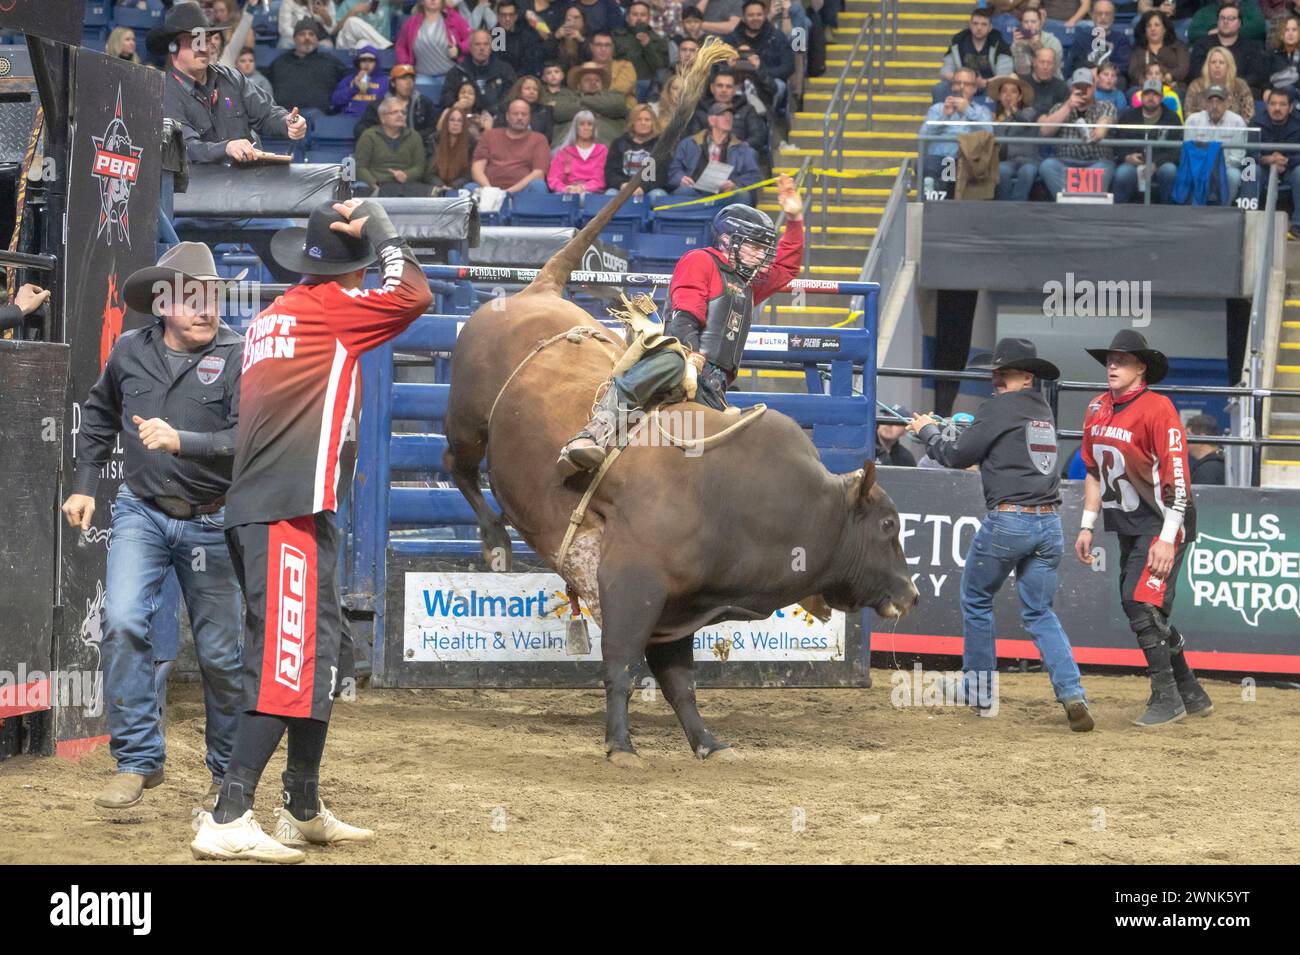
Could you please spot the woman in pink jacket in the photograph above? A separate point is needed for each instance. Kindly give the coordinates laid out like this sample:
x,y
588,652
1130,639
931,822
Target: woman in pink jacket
x,y
432,41
579,164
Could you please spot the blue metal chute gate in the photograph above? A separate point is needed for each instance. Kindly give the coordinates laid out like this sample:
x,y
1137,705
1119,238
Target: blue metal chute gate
x,y
401,528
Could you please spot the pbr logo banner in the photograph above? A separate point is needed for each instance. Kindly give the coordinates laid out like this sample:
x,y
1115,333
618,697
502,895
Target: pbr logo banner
x,y
113,194
52,19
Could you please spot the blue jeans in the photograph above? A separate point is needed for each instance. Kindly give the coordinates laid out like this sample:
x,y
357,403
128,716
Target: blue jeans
x,y
145,544
1015,180
1125,183
1053,171
1031,545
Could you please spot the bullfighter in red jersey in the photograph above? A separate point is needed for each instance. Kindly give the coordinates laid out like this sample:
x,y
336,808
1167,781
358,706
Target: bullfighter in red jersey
x,y
711,301
299,400
1135,452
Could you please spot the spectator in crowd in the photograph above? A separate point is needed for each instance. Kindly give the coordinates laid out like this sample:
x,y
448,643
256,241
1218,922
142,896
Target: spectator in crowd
x,y
889,444
1017,162
1220,69
1172,100
544,16
1108,89
247,65
27,299
1250,21
752,81
1154,41
1247,54
481,15
578,166
419,109
1206,460
602,16
747,124
529,89
1028,38
523,51
347,32
1068,13
492,77
978,48
217,108
432,40
293,12
1103,42
632,151
609,106
716,144
571,43
1217,123
721,16
1133,167
958,107
390,156
666,18
1278,124
121,44
620,75
770,44
553,82
636,43
667,102
306,76
1045,80
692,26
449,169
470,102
378,16
512,157
1284,45
366,84
1082,147
236,27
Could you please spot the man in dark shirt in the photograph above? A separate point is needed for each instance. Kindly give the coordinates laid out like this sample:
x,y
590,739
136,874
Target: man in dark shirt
x,y
1049,88
1252,64
1013,440
1103,43
304,76
523,45
218,110
747,125
1208,465
1278,124
1132,164
170,390
639,45
889,446
492,77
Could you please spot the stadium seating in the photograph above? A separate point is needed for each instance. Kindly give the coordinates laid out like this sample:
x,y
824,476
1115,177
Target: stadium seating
x,y
136,18
544,209
631,216
659,253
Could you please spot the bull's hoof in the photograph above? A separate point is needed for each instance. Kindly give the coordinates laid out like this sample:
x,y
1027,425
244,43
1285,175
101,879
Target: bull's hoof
x,y
725,754
625,760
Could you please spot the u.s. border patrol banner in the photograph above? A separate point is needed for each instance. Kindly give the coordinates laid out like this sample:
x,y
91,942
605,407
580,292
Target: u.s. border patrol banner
x,y
521,618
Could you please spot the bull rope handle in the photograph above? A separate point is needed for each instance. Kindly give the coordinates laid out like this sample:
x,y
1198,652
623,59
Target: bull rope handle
x,y
686,444
575,334
20,202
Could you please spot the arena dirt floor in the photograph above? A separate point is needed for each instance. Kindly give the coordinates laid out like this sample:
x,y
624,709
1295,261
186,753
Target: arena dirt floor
x,y
827,776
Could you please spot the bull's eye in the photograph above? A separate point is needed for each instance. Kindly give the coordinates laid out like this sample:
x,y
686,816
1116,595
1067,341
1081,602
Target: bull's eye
x,y
888,526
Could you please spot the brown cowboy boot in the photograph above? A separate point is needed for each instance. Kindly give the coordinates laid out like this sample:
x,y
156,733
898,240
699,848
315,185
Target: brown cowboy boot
x,y
586,450
127,789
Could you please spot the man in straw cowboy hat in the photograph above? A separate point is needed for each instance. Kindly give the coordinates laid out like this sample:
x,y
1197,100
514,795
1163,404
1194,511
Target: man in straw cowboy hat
x,y
170,390
1135,451
299,405
1013,440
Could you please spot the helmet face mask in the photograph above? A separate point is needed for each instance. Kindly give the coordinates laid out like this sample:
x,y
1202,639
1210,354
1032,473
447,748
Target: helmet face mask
x,y
748,237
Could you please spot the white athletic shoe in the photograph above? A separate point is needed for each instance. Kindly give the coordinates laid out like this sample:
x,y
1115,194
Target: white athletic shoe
x,y
241,839
325,829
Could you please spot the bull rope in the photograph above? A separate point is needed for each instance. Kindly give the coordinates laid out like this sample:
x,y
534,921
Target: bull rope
x,y
575,334
688,444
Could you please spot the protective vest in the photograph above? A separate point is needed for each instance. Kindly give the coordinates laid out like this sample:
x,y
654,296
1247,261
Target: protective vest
x,y
727,321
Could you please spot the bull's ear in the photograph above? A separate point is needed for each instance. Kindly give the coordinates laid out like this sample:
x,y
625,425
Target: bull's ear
x,y
868,481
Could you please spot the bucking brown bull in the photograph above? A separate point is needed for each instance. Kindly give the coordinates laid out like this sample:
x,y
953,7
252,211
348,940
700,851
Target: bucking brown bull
x,y
675,536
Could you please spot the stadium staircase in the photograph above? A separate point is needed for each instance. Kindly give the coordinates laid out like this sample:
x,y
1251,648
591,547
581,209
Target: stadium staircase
x,y
872,146
1282,464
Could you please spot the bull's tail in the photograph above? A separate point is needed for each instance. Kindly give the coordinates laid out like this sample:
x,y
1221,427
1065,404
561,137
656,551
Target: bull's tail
x,y
555,273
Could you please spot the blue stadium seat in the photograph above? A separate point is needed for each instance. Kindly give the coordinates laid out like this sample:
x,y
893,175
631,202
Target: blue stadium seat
x,y
388,58
333,129
99,13
631,216
329,152
660,253
343,56
687,220
264,56
137,19
92,38
543,209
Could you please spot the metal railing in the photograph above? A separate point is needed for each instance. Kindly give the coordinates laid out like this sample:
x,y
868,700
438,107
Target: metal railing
x,y
1253,424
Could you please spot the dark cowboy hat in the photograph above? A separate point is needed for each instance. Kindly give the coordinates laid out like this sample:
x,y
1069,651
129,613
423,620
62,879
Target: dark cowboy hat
x,y
181,18
1127,340
179,266
320,250
1021,354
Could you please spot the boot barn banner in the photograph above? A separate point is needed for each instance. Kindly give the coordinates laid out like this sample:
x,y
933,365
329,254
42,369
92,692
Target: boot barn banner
x,y
113,190
52,19
1238,591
